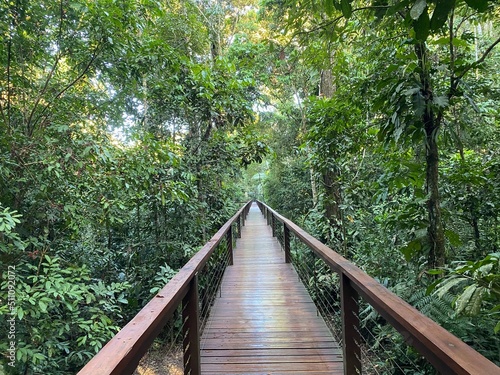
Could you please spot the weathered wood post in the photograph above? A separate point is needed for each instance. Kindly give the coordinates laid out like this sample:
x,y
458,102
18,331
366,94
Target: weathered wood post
x,y
229,239
350,327
273,224
191,329
286,245
239,223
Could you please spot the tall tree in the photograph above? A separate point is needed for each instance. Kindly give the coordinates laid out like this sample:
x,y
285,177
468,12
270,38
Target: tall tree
x,y
417,108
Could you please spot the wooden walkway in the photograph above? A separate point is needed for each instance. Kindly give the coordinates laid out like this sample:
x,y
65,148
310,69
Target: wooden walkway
x,y
265,322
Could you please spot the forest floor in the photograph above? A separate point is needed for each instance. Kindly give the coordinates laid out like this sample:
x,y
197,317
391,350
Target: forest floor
x,y
161,361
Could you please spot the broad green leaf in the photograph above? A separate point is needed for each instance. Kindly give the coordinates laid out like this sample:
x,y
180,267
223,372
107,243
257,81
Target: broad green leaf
x,y
419,104
446,285
417,9
475,302
329,7
485,269
410,250
399,5
346,8
441,41
480,5
432,287
435,272
469,302
457,42
422,27
440,14
441,101
453,237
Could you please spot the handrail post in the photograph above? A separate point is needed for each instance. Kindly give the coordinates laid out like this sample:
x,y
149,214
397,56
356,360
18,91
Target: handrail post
x,y
191,329
238,224
350,327
273,224
286,245
229,239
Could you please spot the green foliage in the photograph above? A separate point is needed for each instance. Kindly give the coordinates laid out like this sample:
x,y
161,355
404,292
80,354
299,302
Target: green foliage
x,y
162,277
63,317
476,285
10,242
122,144
416,77
281,186
125,126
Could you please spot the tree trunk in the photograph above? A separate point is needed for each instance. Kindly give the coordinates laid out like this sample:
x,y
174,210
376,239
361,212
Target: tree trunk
x,y
314,188
331,178
431,121
435,230
326,86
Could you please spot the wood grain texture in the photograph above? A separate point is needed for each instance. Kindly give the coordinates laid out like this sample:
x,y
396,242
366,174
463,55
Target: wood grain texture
x,y
265,322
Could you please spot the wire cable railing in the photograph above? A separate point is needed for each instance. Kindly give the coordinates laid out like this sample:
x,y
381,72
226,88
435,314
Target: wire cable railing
x,y
180,310
378,331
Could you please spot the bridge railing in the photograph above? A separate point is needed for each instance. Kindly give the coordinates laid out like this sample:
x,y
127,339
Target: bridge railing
x,y
445,352
188,297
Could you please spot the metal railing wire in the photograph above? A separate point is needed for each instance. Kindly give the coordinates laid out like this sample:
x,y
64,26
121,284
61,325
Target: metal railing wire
x,y
179,311
378,331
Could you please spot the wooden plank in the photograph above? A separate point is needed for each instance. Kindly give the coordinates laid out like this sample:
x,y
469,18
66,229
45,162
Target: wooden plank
x,y
265,321
245,368
273,334
276,342
272,359
216,345
289,352
260,330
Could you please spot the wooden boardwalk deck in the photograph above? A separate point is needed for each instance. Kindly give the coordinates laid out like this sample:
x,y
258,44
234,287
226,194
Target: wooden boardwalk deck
x,y
265,322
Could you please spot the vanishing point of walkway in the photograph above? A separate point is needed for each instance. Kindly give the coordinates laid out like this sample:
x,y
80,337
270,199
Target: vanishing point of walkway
x,y
265,322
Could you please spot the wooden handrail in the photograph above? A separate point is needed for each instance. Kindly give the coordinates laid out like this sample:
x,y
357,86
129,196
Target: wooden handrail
x,y
122,353
447,353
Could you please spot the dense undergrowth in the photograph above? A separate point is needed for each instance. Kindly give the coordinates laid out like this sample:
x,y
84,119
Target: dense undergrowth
x,y
131,130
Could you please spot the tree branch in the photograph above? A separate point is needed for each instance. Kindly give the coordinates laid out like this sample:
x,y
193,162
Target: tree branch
x,y
321,26
466,18
71,84
330,22
477,62
43,91
29,124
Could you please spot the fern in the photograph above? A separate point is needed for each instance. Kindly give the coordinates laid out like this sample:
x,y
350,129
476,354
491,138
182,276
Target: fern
x,y
439,309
